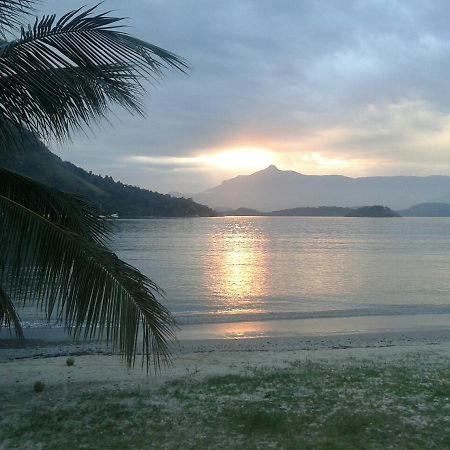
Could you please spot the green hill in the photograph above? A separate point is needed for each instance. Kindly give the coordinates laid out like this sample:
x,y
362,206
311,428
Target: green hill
x,y
110,196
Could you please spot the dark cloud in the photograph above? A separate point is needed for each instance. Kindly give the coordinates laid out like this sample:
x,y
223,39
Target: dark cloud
x,y
283,71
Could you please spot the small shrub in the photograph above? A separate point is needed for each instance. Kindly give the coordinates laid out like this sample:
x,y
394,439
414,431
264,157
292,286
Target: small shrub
x,y
70,361
39,386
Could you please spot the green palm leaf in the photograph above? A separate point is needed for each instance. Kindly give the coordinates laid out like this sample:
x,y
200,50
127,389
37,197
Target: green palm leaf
x,y
53,256
62,75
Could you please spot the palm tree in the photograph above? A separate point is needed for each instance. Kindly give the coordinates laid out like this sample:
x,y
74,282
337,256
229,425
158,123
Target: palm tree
x,y
57,77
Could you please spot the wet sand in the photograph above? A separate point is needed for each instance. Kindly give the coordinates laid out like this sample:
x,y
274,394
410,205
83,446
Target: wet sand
x,y
95,364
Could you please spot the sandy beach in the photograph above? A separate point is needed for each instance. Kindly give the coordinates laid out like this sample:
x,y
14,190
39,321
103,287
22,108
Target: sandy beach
x,y
200,373
22,364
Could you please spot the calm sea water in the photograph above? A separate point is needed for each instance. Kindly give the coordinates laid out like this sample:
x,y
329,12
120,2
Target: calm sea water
x,y
257,268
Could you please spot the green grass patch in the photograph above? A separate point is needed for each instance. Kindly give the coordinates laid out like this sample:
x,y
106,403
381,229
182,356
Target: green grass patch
x,y
356,405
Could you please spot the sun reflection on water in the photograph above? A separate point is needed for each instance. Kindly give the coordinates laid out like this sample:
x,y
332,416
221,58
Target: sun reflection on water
x,y
250,270
243,330
237,266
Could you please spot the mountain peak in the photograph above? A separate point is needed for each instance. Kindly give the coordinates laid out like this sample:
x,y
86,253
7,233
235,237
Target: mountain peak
x,y
271,168
272,189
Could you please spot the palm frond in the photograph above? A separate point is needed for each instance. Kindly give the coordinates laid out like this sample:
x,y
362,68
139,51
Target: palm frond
x,y
56,108
87,287
62,75
68,211
12,12
8,314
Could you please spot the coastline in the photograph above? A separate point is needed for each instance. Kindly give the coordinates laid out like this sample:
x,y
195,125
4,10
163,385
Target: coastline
x,y
254,335
22,364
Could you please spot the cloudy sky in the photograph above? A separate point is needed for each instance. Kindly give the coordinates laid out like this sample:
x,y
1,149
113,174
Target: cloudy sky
x,y
322,87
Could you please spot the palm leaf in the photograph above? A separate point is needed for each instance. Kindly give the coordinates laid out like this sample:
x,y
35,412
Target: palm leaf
x,y
62,75
12,12
81,283
62,109
8,314
66,210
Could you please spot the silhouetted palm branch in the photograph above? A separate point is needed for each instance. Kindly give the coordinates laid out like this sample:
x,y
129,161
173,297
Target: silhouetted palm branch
x,y
67,210
52,255
61,75
11,14
8,314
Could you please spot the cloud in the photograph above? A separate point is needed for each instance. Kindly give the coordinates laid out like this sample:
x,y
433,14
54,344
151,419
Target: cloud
x,y
366,82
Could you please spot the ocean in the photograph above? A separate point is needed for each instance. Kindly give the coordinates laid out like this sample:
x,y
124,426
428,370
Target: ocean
x,y
234,277
284,269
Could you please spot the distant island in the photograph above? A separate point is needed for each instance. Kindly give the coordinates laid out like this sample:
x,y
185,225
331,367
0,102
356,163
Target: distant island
x,y
108,195
372,211
243,212
419,210
320,211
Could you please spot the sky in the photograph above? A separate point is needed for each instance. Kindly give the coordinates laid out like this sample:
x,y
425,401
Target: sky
x,y
352,87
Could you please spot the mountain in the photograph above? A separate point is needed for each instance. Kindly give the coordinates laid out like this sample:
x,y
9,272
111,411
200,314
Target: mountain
x,y
273,189
427,210
110,196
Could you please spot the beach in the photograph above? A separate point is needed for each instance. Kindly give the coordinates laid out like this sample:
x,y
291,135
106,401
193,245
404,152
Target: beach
x,y
365,366
208,351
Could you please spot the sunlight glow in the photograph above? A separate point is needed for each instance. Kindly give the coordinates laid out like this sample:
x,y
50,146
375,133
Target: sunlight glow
x,y
252,158
330,163
235,158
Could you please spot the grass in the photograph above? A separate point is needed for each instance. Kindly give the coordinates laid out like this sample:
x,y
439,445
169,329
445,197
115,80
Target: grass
x,y
352,405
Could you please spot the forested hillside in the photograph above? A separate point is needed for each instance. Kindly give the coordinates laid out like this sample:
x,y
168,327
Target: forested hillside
x,y
108,195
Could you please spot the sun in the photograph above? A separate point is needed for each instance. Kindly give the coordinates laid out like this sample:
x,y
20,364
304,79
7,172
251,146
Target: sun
x,y
246,158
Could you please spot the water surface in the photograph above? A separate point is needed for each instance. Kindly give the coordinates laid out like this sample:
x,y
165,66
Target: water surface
x,y
258,268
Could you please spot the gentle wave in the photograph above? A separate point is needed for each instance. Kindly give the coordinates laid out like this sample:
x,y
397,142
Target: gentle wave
x,y
193,318
384,310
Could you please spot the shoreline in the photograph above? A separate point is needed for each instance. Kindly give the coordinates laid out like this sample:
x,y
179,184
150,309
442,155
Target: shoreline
x,y
97,364
304,324
250,334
